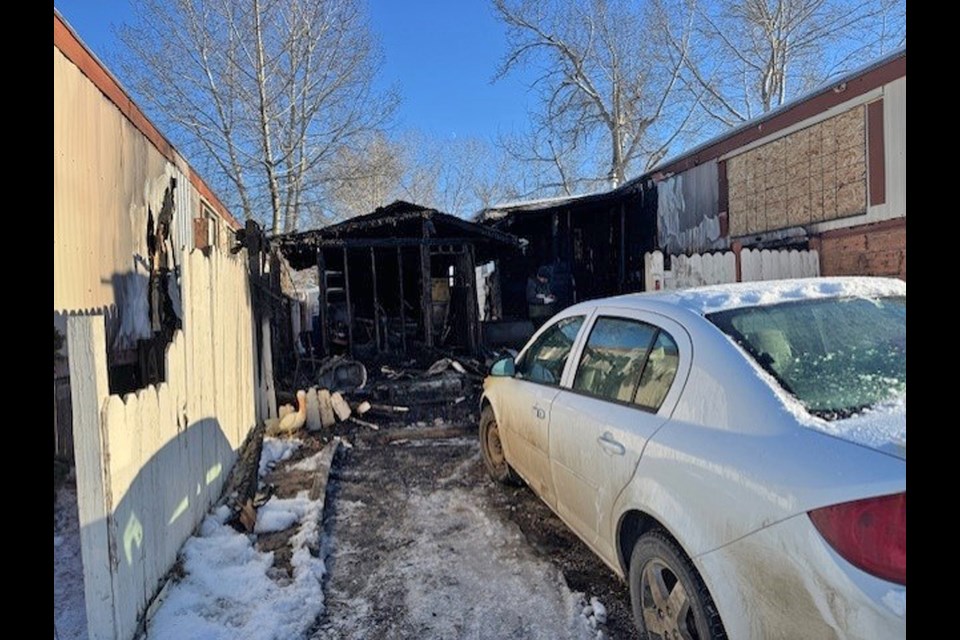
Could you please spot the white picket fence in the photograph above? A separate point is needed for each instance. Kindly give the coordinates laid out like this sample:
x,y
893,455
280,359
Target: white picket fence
x,y
151,463
721,267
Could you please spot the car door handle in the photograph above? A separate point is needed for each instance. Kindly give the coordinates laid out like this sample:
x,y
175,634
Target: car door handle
x,y
611,446
539,412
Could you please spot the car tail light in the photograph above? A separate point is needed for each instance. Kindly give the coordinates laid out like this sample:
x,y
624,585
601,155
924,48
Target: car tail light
x,y
870,534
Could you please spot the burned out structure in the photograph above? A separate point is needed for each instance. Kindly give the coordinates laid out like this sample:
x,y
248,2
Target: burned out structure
x,y
593,244
400,276
814,187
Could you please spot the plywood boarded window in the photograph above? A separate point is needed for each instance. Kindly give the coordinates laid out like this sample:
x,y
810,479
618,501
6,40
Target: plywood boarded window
x,y
815,174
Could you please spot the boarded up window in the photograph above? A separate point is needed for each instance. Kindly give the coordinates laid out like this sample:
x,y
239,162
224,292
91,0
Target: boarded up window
x,y
812,175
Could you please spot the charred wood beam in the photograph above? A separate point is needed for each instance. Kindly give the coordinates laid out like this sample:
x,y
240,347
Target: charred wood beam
x,y
363,243
426,288
376,297
403,313
346,291
322,280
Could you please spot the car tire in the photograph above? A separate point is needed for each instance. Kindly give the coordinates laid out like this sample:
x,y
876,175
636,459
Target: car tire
x,y
493,457
658,568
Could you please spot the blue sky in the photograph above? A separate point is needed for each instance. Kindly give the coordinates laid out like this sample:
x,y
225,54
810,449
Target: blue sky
x,y
441,53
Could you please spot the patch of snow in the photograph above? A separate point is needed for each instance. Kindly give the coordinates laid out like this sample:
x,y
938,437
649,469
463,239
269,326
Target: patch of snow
x,y
227,591
881,426
276,450
278,514
599,611
896,599
69,606
721,297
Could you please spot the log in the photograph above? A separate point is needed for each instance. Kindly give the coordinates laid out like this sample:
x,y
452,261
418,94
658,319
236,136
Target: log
x,y
340,406
325,405
314,422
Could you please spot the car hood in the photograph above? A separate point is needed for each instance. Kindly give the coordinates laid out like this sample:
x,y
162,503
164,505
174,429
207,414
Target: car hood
x,y
882,427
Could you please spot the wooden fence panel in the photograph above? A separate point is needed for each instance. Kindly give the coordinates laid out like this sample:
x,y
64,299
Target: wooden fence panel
x,y
721,267
151,463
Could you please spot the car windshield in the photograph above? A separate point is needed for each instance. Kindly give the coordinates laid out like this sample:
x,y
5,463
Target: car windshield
x,y
837,356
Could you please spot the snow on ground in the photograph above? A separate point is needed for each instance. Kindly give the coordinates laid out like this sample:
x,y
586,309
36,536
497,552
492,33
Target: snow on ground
x,y
276,450
423,556
69,610
229,591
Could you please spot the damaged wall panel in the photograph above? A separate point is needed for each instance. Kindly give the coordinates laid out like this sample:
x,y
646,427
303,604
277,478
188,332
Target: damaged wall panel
x,y
688,218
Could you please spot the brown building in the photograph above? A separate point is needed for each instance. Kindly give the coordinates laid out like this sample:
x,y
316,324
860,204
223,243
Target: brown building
x,y
824,172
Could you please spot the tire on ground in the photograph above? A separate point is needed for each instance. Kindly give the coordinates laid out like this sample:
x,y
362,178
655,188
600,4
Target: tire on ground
x,y
660,554
497,466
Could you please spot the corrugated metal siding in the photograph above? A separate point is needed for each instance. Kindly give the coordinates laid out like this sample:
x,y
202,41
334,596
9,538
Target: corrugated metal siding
x,y
107,176
184,211
895,146
103,172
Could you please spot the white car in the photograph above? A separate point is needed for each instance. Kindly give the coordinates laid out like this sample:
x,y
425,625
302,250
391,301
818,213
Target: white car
x,y
737,453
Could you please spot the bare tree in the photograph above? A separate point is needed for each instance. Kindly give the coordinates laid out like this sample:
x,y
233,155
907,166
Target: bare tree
x,y
458,176
264,92
608,87
751,56
363,178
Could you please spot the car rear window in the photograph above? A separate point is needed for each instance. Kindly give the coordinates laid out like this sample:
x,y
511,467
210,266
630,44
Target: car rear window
x,y
837,356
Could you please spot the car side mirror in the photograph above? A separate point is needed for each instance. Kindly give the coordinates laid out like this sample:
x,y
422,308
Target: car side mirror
x,y
503,368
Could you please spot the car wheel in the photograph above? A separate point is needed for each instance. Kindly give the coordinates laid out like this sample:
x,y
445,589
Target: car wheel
x,y
668,596
497,465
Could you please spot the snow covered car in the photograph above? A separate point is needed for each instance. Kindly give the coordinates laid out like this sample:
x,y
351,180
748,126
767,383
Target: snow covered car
x,y
737,452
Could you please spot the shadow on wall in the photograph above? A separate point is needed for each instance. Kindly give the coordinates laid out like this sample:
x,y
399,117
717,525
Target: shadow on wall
x,y
127,554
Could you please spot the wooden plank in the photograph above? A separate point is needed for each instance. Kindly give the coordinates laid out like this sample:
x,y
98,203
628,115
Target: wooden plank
x,y
346,289
426,295
376,298
473,324
324,319
89,390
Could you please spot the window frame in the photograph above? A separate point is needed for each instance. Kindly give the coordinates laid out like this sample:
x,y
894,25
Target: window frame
x,y
660,322
586,315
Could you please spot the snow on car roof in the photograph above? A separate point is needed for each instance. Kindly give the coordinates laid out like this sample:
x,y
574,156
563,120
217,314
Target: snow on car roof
x,y
709,299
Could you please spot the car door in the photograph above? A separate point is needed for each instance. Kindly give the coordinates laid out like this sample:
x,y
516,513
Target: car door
x,y
629,371
526,402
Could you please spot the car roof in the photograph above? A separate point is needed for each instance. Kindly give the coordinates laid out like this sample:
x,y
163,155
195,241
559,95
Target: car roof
x,y
709,299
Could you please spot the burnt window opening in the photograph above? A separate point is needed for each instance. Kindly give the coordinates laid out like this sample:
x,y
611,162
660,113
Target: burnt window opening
x,y
144,363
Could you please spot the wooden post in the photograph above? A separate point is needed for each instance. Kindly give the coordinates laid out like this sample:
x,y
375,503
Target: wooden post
x,y
426,285
736,246
346,293
555,234
266,362
403,312
426,295
473,325
376,298
623,246
322,303
89,390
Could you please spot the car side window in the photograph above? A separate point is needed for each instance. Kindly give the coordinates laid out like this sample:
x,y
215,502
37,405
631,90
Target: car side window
x,y
659,372
613,358
544,361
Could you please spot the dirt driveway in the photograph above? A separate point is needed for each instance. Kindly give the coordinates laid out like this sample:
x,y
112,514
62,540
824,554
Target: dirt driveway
x,y
421,544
